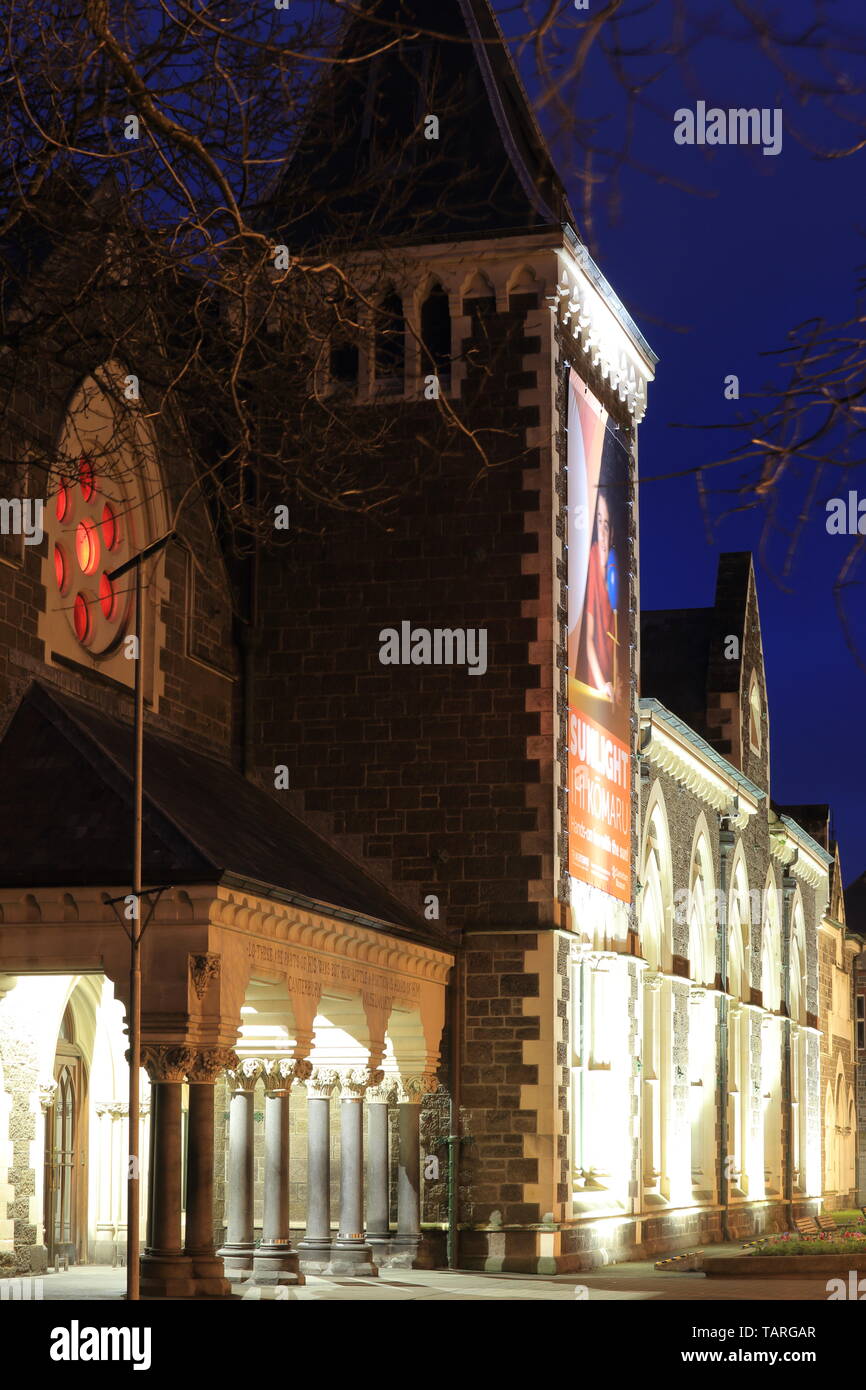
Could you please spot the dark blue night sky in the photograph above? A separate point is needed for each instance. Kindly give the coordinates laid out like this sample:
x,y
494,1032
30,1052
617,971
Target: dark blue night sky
x,y
713,282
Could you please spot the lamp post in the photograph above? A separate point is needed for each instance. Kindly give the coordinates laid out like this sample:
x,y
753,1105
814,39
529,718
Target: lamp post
x,y
133,1213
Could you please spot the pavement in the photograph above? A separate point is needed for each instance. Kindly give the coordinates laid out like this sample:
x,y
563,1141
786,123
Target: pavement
x,y
633,1281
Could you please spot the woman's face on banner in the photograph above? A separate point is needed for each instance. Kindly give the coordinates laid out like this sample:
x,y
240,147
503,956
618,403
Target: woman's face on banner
x,y
602,527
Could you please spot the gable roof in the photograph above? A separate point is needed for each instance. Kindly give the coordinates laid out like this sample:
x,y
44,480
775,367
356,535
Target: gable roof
x,y
362,169
66,808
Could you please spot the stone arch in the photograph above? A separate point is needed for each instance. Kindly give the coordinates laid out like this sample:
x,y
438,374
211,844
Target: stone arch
x,y
797,962
739,924
523,280
656,908
771,947
107,464
702,906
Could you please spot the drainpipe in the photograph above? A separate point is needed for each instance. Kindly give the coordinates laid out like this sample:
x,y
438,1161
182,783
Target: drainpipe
x,y
788,887
726,846
454,1140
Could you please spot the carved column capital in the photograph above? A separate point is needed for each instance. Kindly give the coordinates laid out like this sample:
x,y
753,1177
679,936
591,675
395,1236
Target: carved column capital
x,y
166,1061
321,1082
244,1075
47,1092
383,1092
411,1090
354,1081
208,1064
280,1073
203,968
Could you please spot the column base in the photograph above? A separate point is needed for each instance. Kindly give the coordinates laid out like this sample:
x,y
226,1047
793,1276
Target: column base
x,y
404,1252
314,1255
351,1260
167,1276
209,1275
237,1258
276,1264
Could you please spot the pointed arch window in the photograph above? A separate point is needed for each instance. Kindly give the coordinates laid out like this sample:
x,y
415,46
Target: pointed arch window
x,y
436,336
755,715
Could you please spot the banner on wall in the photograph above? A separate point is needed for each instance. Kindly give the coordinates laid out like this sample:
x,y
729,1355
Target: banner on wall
x,y
599,648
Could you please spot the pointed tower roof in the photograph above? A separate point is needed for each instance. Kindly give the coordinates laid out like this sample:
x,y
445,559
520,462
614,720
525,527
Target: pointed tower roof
x,y
371,166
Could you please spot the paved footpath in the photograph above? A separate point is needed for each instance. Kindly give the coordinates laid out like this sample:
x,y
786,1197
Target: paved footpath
x,y
616,1283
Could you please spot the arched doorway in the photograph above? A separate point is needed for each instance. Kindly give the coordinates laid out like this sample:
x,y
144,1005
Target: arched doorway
x,y
66,1152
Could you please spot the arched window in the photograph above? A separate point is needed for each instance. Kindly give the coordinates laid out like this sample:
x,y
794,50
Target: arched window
x,y
106,502
656,1042
436,336
739,1038
702,1023
755,715
390,343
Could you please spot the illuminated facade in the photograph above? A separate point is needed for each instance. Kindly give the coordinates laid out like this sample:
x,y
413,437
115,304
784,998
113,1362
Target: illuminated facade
x,y
403,956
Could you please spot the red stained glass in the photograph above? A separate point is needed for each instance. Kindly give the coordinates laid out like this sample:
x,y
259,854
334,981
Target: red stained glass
x,y
87,546
81,618
86,479
107,596
110,529
62,503
61,568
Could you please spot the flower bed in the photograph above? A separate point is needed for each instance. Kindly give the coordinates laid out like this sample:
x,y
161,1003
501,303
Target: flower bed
x,y
827,1243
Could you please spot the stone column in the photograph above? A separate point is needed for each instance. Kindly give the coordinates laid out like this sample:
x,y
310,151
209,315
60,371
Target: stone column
x,y
166,1271
275,1262
238,1249
351,1255
410,1093
199,1246
378,1185
315,1249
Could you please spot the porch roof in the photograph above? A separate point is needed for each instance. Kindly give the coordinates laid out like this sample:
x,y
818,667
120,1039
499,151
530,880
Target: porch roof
x,y
66,812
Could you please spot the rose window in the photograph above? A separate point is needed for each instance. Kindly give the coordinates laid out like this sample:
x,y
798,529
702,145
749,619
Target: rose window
x,y
92,536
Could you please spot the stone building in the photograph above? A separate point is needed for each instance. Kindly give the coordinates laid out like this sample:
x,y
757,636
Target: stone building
x,y
381,979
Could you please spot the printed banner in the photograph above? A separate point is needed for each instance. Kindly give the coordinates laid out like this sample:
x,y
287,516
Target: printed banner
x,y
599,648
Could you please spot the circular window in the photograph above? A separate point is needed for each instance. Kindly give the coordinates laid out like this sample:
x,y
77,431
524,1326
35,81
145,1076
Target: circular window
x,y
87,545
93,529
107,596
62,504
110,528
81,618
61,568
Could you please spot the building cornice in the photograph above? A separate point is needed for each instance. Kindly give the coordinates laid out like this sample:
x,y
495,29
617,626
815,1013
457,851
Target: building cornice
x,y
670,745
590,311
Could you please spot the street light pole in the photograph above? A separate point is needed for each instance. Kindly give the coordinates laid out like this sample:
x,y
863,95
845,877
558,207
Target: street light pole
x,y
133,1199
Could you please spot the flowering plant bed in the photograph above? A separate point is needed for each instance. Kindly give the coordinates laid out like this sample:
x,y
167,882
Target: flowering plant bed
x,y
827,1243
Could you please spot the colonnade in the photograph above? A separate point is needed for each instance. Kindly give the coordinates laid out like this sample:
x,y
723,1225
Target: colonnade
x,y
178,1264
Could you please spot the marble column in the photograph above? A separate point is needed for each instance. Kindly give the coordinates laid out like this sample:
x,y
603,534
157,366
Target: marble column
x,y
350,1253
379,1099
275,1262
237,1252
166,1271
315,1248
199,1245
411,1091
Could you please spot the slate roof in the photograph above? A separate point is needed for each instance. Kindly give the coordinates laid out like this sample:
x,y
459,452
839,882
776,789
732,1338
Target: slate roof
x,y
674,660
362,171
66,812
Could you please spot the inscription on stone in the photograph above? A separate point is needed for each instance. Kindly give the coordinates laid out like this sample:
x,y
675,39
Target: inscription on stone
x,y
310,973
